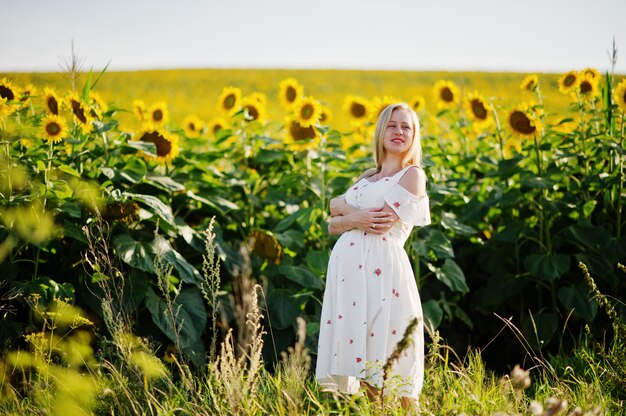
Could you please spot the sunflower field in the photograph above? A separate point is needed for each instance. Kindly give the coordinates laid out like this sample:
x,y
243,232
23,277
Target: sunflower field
x,y
158,225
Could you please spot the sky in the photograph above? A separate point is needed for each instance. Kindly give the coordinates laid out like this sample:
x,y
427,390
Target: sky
x,y
448,35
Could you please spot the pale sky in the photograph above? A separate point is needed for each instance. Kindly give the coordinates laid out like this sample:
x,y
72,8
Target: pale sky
x,y
490,35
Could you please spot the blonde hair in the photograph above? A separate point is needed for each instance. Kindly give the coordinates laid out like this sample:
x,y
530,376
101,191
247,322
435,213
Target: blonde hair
x,y
413,155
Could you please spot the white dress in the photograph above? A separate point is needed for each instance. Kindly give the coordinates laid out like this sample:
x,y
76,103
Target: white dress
x,y
371,296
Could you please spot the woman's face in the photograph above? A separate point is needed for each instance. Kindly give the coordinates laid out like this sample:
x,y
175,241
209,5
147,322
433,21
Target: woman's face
x,y
399,132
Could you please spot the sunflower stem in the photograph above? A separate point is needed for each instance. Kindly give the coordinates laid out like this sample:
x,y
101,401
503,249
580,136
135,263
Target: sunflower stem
x,y
621,180
323,181
498,131
538,156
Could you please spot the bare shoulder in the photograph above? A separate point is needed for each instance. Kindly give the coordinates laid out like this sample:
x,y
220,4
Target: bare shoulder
x,y
414,180
367,173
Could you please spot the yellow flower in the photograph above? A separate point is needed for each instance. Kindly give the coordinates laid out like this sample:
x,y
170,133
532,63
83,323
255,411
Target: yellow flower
x,y
166,144
418,103
447,94
289,93
217,124
259,97
52,101
5,109
522,121
307,111
619,95
299,137
530,83
568,82
512,146
327,116
9,91
98,102
27,93
158,115
588,86
139,108
53,129
229,100
379,104
478,110
193,126
266,246
79,110
592,72
253,111
358,108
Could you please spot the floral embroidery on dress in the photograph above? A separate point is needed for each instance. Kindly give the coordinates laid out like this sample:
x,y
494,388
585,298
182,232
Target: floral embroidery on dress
x,y
328,322
393,332
351,243
351,341
395,292
396,204
340,317
358,359
377,272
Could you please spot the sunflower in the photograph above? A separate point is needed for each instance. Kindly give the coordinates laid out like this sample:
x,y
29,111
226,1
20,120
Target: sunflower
x,y
259,97
530,83
592,72
307,111
53,129
79,110
229,100
568,82
379,104
266,246
418,103
300,137
447,94
512,146
193,126
98,102
140,110
358,108
158,114
5,109
166,144
253,110
27,93
588,86
619,95
478,109
326,116
126,212
52,101
9,91
522,121
216,124
290,91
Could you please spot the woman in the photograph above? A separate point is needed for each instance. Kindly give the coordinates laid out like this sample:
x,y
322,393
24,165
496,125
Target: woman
x,y
371,294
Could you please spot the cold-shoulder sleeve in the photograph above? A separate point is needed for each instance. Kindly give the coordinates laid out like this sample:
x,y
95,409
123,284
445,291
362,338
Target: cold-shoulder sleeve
x,y
411,209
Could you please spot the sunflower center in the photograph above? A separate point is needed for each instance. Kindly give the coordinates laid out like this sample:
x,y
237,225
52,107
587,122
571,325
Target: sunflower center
x,y
307,111
290,94
53,128
357,110
78,111
157,115
7,93
217,128
163,146
446,94
569,80
479,110
253,112
323,117
521,123
192,126
229,101
300,133
53,105
585,87
624,97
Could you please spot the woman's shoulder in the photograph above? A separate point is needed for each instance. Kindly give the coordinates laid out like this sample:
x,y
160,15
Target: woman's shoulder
x,y
413,179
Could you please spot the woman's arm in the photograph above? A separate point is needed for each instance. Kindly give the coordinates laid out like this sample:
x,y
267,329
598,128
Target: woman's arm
x,y
339,206
375,221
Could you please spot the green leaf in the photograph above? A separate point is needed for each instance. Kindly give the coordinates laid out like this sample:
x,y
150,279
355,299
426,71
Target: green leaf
x,y
433,314
156,206
540,329
186,271
134,170
282,308
439,244
450,222
451,275
134,253
536,182
317,260
302,276
147,147
189,319
87,87
577,298
165,183
72,230
292,239
548,267
69,170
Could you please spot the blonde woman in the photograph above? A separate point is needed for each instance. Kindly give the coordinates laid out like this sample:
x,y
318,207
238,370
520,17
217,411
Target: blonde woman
x,y
371,295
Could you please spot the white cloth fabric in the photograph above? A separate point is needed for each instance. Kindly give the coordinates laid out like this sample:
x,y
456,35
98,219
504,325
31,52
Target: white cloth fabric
x,y
371,296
